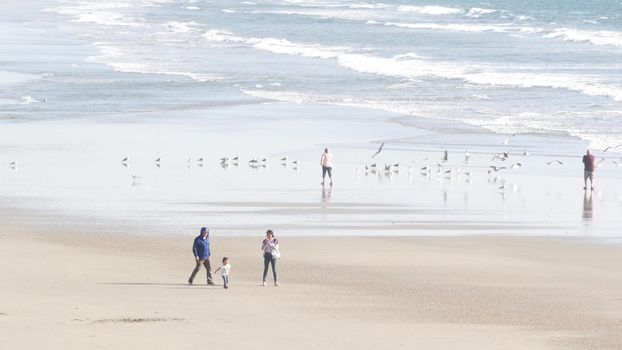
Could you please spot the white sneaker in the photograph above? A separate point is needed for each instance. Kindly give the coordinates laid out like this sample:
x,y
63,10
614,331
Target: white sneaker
x,y
276,284
264,283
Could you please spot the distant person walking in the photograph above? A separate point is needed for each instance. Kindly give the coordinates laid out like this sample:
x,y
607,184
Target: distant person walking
x,y
588,169
201,252
270,248
327,166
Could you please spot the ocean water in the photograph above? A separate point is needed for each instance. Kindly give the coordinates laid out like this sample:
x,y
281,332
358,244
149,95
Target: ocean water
x,y
549,67
85,83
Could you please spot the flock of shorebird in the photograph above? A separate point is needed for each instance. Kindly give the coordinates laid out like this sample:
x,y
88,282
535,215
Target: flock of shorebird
x,y
442,171
225,162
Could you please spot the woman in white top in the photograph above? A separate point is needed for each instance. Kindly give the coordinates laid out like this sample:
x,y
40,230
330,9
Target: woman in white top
x,y
270,247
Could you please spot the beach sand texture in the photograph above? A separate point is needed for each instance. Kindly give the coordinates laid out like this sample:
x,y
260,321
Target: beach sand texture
x,y
114,292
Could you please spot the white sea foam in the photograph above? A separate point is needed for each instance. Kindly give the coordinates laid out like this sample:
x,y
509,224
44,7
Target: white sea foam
x,y
410,66
430,10
182,27
194,8
601,37
123,61
477,12
456,27
26,100
108,13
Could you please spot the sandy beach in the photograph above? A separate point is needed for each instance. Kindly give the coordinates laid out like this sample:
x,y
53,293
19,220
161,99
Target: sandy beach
x,y
110,292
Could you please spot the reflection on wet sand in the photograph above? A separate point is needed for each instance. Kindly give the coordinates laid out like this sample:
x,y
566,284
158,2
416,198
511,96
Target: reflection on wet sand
x,y
326,193
588,206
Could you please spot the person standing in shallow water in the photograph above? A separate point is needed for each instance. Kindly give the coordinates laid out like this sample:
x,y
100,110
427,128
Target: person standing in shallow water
x,y
588,169
201,252
270,248
327,166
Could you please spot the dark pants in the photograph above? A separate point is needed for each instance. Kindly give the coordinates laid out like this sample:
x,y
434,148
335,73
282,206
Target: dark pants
x,y
225,279
198,267
328,170
267,260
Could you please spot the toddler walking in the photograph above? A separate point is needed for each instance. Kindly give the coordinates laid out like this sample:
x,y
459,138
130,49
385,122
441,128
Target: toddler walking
x,y
224,271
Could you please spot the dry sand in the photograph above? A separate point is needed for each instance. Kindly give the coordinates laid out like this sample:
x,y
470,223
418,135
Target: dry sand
x,y
121,292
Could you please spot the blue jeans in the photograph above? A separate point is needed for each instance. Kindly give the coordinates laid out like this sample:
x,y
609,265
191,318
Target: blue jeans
x,y
267,260
225,279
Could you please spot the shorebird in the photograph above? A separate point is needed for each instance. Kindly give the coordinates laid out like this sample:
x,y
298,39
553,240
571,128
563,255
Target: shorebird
x,y
379,151
158,160
525,153
295,162
253,161
467,156
612,147
554,161
125,160
13,163
284,159
503,156
515,165
506,141
224,160
445,157
235,159
495,169
468,173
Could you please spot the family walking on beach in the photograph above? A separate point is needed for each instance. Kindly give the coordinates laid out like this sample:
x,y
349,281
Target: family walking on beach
x,y
201,252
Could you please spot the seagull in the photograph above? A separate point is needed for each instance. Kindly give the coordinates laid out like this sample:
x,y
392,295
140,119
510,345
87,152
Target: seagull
x,y
503,156
501,188
224,160
554,161
235,159
495,169
295,162
468,173
200,160
396,165
618,163
525,153
467,156
158,159
506,141
125,160
378,151
445,156
253,161
13,163
600,162
284,159
612,147
515,165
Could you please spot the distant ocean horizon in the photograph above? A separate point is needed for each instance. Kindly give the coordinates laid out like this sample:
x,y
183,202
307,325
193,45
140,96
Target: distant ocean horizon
x,y
509,66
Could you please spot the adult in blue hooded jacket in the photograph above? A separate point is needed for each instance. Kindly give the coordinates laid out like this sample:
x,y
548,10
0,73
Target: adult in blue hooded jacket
x,y
201,252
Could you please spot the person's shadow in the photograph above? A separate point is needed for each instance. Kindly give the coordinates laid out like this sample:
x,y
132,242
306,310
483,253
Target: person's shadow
x,y
588,206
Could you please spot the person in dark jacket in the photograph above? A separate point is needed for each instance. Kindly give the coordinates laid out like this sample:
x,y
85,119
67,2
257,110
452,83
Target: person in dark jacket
x,y
588,169
201,252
